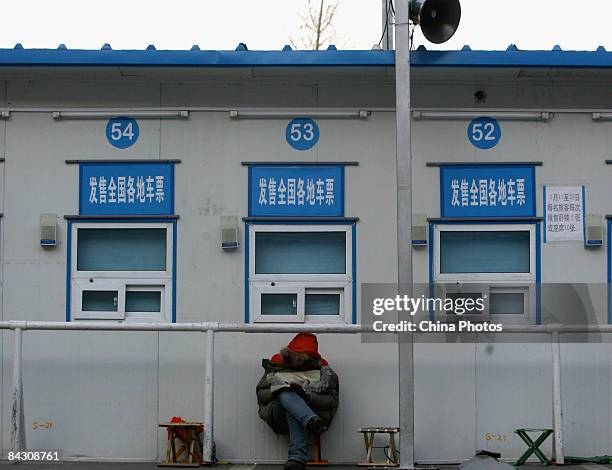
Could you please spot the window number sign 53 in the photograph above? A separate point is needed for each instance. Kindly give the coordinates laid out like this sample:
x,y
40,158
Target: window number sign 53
x,y
302,133
484,133
122,132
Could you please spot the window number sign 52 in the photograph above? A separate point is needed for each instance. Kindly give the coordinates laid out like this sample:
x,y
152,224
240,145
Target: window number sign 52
x,y
302,133
122,132
484,133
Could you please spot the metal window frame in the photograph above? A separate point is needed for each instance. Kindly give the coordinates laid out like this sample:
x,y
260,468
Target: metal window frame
x,y
485,277
343,291
297,289
125,280
529,304
165,301
80,286
525,282
341,283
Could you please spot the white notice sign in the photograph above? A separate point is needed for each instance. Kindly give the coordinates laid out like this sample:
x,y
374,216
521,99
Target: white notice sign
x,y
564,213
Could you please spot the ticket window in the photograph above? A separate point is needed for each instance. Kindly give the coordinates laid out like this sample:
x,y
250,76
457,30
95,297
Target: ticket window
x,y
496,262
301,273
121,271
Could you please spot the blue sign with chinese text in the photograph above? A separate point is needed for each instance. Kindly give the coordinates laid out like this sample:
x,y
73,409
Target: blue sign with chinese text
x,y
487,191
126,189
296,191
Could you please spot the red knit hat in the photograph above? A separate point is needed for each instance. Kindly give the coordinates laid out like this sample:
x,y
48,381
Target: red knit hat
x,y
303,343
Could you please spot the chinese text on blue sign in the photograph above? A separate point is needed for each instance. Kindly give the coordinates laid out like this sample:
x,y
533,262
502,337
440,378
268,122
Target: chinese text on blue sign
x,y
468,191
296,191
126,189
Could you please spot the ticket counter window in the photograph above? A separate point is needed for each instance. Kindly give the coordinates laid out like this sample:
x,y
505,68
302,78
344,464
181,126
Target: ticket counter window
x,y
497,262
121,271
300,273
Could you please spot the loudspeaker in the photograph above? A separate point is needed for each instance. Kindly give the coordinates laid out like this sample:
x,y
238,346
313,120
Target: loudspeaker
x,y
419,230
439,19
48,229
594,231
229,232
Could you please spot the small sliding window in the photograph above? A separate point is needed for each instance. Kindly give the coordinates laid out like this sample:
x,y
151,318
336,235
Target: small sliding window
x,y
301,273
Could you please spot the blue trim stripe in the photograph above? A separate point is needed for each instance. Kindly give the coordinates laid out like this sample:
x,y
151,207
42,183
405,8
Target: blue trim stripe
x,y
544,212
584,237
342,191
246,269
538,274
172,171
68,267
354,234
174,262
609,272
431,268
244,58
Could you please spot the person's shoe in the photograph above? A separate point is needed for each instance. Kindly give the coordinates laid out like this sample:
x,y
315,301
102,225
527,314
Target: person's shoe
x,y
315,425
294,465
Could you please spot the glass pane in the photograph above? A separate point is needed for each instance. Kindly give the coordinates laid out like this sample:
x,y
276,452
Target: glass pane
x,y
322,304
507,303
484,252
300,252
142,301
121,249
99,300
279,304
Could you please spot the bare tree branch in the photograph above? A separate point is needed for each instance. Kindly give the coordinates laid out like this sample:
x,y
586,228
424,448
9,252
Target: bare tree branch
x,y
317,28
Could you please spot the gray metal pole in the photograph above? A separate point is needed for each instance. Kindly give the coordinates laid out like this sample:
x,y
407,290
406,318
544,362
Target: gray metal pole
x,y
18,442
209,390
557,400
404,225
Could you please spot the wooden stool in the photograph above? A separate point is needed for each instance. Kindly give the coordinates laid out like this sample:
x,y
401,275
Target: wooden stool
x,y
189,435
368,437
317,459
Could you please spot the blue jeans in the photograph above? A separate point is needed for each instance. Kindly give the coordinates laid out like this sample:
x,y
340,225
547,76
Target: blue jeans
x,y
298,414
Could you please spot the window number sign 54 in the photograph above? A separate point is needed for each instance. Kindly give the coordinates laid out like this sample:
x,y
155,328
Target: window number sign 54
x,y
122,132
484,133
302,133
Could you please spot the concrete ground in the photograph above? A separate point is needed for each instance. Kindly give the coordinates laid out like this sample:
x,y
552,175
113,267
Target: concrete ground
x,y
151,466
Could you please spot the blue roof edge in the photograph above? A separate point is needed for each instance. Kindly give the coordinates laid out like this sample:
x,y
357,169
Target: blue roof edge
x,y
288,58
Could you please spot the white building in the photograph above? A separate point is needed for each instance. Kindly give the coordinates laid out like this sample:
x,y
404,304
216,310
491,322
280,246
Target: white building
x,y
139,203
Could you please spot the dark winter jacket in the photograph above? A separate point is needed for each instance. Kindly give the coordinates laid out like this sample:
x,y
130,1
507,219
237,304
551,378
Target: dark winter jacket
x,y
321,396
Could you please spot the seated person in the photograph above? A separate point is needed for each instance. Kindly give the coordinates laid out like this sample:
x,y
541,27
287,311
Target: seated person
x,y
298,394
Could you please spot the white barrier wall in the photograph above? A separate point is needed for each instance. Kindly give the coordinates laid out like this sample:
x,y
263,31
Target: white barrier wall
x,y
105,392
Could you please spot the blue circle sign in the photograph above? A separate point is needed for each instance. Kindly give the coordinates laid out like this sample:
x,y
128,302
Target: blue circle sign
x,y
302,133
122,132
484,133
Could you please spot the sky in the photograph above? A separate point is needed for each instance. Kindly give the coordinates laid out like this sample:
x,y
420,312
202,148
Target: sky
x,y
269,24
